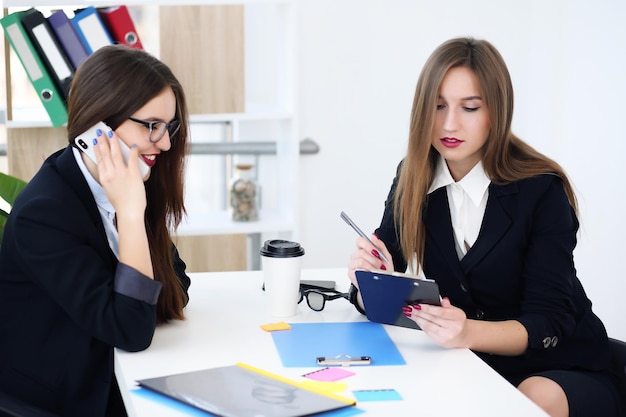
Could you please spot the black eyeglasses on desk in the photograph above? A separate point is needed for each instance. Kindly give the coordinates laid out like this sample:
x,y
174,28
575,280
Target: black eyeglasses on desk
x,y
316,297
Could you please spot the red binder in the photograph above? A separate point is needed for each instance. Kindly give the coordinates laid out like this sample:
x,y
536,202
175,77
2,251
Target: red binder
x,y
120,25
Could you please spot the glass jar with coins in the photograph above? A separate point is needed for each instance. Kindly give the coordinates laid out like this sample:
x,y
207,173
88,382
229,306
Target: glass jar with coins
x,y
244,194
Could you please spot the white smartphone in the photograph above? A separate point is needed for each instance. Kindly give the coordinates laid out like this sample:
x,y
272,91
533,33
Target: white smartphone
x,y
84,141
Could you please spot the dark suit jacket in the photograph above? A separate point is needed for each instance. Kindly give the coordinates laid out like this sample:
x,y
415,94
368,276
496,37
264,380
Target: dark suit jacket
x,y
65,300
521,267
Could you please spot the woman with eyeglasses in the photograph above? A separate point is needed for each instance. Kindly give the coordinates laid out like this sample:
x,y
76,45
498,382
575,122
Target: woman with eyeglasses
x,y
87,262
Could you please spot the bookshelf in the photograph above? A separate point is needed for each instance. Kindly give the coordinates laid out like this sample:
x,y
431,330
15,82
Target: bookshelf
x,y
244,79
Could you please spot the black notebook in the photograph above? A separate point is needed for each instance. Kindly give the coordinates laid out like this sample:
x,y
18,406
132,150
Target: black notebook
x,y
244,391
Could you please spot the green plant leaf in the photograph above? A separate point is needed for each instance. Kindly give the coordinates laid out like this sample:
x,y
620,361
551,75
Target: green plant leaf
x,y
10,187
3,220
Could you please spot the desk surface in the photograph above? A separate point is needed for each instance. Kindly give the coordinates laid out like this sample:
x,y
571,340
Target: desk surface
x,y
222,328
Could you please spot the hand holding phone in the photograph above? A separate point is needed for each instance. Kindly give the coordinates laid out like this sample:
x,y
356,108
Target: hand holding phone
x,y
84,142
348,220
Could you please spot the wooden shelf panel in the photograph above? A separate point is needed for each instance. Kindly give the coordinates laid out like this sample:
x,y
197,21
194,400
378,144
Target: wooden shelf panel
x,y
27,148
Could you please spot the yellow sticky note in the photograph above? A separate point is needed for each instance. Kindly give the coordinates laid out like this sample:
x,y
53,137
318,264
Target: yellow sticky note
x,y
324,386
275,326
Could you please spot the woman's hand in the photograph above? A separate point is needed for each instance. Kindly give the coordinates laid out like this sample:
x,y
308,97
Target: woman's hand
x,y
367,258
126,191
121,181
445,324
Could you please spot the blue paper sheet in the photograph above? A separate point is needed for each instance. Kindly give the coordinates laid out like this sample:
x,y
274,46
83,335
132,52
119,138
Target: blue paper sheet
x,y
300,346
377,395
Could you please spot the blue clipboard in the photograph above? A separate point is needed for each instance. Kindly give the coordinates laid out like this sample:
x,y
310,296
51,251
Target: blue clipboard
x,y
385,294
300,346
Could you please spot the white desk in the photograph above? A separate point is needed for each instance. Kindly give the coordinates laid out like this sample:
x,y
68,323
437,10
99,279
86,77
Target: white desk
x,y
222,328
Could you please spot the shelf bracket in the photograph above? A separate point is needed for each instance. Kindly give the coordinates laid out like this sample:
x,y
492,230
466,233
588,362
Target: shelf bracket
x,y
307,147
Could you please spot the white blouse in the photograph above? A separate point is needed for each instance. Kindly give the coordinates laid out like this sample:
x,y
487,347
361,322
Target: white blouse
x,y
467,199
107,212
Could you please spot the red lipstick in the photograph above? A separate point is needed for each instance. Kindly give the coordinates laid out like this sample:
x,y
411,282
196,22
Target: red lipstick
x,y
149,160
451,142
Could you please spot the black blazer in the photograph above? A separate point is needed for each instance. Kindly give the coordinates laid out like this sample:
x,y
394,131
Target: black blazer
x,y
65,300
521,267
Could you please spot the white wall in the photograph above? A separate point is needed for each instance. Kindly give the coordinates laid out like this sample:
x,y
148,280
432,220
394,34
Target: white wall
x,y
358,62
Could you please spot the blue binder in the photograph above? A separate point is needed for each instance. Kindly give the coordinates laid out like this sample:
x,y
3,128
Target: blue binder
x,y
90,29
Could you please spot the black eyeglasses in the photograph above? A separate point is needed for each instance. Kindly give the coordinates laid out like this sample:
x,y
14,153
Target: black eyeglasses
x,y
316,297
158,129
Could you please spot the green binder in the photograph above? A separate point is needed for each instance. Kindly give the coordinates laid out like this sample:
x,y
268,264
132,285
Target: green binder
x,y
37,73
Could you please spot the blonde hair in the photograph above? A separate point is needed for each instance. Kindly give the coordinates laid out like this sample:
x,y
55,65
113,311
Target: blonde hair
x,y
506,157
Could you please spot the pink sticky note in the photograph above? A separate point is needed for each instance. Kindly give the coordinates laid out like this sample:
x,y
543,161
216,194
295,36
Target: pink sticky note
x,y
329,374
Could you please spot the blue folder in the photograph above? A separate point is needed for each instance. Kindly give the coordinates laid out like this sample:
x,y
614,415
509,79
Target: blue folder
x,y
300,346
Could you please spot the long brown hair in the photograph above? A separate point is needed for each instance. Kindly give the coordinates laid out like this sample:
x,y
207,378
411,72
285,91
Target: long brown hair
x,y
110,85
506,157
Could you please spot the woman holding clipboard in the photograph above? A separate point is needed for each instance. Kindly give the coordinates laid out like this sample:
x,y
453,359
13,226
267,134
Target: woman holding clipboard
x,y
494,223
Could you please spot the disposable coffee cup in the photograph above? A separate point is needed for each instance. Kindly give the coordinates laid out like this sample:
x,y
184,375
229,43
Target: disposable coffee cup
x,y
281,261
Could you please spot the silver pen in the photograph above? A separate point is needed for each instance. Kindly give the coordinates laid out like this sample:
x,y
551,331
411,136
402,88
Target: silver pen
x,y
348,220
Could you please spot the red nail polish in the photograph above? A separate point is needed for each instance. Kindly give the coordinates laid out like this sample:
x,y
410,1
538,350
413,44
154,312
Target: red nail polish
x,y
407,313
417,306
375,253
383,267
